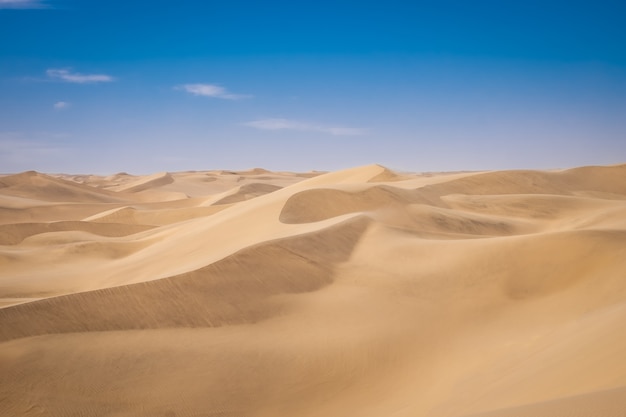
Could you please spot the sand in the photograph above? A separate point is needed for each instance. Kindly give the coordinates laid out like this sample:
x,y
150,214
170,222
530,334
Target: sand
x,y
362,292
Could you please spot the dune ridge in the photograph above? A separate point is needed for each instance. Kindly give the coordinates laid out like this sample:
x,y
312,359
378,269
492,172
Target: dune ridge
x,y
361,292
609,403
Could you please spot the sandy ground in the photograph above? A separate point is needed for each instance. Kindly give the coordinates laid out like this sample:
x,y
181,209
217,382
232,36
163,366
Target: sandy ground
x,y
362,292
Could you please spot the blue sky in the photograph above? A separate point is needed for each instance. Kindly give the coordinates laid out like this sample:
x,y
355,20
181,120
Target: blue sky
x,y
145,86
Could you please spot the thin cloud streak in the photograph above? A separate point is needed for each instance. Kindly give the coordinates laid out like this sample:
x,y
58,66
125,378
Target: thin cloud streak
x,y
23,4
75,77
285,124
60,105
211,90
20,152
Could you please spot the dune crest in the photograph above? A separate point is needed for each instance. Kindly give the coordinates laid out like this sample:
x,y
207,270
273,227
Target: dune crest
x,y
145,183
352,293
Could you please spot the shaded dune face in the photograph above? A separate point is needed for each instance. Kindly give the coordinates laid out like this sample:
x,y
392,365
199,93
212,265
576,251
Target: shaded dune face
x,y
409,210
362,292
248,191
11,234
321,204
235,290
152,181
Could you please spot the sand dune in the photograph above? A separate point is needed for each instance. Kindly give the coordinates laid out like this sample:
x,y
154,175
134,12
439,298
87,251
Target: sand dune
x,y
362,292
610,403
246,192
46,188
11,234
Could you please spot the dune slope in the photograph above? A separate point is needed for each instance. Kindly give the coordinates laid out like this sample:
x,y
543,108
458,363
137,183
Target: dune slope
x,y
361,292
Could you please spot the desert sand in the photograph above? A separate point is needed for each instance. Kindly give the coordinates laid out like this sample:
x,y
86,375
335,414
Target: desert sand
x,y
362,292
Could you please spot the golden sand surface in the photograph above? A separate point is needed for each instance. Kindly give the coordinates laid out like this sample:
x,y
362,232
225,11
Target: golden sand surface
x,y
362,292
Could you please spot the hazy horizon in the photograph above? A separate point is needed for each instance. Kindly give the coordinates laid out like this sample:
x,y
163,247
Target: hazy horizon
x,y
142,87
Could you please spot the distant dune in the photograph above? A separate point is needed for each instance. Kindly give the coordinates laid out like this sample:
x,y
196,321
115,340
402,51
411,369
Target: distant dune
x,y
362,292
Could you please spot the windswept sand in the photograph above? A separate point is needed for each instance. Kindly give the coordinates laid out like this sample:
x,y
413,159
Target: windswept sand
x,y
362,292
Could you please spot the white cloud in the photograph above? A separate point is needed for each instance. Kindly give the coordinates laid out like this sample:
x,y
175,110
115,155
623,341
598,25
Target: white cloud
x,y
74,77
285,124
60,105
210,90
23,4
